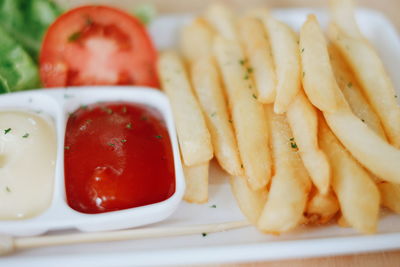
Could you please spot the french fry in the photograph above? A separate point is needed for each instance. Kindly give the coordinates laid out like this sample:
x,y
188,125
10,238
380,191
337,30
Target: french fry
x,y
353,93
223,21
357,194
321,208
365,145
248,116
318,78
342,12
193,135
290,184
303,121
250,202
258,52
196,41
368,68
362,142
390,192
196,178
342,222
285,51
390,196
207,86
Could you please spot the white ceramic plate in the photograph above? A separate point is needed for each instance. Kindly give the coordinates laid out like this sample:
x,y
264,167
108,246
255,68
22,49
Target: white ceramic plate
x,y
245,244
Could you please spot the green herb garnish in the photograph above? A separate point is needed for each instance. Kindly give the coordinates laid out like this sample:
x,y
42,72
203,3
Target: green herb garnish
x,y
6,131
254,96
349,85
213,206
25,135
67,147
213,114
204,234
158,136
129,126
8,189
74,37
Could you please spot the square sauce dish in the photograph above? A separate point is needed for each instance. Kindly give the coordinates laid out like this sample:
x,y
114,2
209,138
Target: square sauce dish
x,y
127,131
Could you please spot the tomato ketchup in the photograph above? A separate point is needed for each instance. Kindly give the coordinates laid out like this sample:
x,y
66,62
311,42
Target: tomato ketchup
x,y
117,156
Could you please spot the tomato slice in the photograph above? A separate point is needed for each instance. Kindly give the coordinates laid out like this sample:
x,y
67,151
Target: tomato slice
x,y
97,45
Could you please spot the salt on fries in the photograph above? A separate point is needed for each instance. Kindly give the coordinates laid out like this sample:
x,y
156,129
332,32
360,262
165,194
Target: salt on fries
x,y
308,130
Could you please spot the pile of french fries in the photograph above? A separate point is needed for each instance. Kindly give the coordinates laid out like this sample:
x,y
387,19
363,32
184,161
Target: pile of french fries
x,y
306,124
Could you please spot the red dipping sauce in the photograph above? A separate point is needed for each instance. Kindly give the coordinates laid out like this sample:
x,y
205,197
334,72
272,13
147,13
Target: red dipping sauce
x,y
117,156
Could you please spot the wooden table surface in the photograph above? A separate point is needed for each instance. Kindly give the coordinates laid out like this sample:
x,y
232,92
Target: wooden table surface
x,y
391,8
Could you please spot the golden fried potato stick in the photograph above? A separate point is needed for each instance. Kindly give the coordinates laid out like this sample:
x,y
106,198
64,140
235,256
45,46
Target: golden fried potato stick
x,y
367,66
250,202
353,93
358,195
303,121
321,208
196,178
318,79
373,152
258,52
285,52
196,42
248,116
290,184
223,20
193,135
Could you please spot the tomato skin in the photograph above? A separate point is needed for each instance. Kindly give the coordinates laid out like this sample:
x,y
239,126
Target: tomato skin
x,y
97,45
117,156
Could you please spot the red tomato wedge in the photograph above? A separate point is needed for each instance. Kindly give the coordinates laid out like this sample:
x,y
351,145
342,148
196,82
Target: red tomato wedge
x,y
97,45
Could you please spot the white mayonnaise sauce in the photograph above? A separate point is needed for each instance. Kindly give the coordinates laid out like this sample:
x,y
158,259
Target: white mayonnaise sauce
x,y
27,164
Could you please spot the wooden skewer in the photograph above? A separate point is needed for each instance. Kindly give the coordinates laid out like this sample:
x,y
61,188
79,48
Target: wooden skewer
x,y
9,244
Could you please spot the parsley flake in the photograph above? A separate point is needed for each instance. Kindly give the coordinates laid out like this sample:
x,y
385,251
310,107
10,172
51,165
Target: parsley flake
x,y
213,114
74,37
66,96
84,107
293,143
246,77
67,147
158,136
25,135
362,120
111,144
254,96
213,206
304,74
129,126
349,85
302,50
124,141
204,234
8,189
395,96
6,131
107,110
250,70
242,61
230,121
